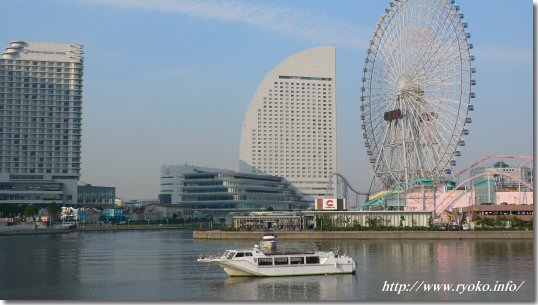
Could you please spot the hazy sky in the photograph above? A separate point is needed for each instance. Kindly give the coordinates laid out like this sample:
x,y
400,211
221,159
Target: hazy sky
x,y
169,82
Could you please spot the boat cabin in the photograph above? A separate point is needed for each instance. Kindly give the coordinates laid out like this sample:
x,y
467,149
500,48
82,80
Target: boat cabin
x,y
231,254
288,260
261,259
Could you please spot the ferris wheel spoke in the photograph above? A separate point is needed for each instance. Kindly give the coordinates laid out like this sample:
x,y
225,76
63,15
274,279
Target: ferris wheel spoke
x,y
445,130
416,144
436,66
438,52
388,44
436,102
383,56
426,132
438,71
441,124
441,35
429,110
391,72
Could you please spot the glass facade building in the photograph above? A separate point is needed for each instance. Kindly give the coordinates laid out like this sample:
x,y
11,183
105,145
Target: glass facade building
x,y
96,196
492,181
41,115
197,187
31,192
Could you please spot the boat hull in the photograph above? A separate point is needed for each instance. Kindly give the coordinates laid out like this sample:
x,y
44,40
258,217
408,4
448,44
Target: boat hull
x,y
235,269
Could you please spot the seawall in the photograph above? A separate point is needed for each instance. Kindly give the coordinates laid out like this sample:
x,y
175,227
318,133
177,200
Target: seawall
x,y
317,235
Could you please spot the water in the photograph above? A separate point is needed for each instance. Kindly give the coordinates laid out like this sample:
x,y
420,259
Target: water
x,y
161,266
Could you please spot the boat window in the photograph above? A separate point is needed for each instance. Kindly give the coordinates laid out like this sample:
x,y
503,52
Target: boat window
x,y
248,254
240,254
281,260
312,259
230,255
265,262
296,260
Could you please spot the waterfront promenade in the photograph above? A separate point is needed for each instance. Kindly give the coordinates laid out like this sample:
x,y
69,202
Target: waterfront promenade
x,y
283,235
325,235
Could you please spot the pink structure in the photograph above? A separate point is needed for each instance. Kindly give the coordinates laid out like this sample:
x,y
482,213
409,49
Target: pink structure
x,y
415,202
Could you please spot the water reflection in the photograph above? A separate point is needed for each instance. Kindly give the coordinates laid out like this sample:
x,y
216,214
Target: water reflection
x,y
44,261
161,266
324,287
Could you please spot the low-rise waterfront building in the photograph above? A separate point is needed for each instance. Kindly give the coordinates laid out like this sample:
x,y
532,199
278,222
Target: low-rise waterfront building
x,y
112,215
89,215
370,218
96,196
261,221
31,192
335,219
522,211
213,189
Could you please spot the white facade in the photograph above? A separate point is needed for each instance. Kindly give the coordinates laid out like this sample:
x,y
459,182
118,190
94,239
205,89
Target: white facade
x,y
290,125
41,114
172,180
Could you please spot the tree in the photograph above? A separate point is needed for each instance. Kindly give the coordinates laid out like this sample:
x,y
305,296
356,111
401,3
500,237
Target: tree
x,y
53,209
488,222
375,222
11,209
30,210
478,220
517,222
500,221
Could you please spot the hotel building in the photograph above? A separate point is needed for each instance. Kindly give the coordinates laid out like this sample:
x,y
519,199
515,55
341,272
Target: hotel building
x,y
290,125
40,122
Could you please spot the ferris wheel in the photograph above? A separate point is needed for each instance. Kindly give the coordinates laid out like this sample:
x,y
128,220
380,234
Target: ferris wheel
x,y
416,91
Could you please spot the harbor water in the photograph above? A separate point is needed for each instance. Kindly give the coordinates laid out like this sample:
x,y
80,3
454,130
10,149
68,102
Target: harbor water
x,y
161,266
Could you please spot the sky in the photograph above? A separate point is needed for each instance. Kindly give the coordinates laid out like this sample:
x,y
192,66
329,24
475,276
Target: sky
x,y
169,82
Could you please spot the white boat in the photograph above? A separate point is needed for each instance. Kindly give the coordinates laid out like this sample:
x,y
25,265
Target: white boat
x,y
255,262
268,241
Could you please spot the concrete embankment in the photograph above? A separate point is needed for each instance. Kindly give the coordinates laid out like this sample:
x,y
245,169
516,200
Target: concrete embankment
x,y
131,227
317,235
36,232
90,228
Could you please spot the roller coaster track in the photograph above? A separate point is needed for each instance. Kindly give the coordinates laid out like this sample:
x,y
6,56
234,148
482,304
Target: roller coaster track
x,y
330,189
489,157
378,200
422,181
442,206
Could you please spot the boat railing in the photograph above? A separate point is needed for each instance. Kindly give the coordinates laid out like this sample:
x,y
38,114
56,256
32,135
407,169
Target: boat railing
x,y
286,251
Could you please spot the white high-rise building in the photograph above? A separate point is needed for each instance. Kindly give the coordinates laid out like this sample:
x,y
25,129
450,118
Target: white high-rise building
x,y
290,125
40,122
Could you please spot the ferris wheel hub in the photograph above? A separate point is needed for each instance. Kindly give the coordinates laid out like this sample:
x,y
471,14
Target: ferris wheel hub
x,y
403,84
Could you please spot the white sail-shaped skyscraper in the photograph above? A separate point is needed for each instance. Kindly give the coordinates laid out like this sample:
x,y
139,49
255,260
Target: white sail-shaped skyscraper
x,y
290,125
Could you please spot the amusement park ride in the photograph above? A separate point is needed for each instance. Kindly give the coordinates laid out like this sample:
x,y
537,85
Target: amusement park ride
x,y
416,100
